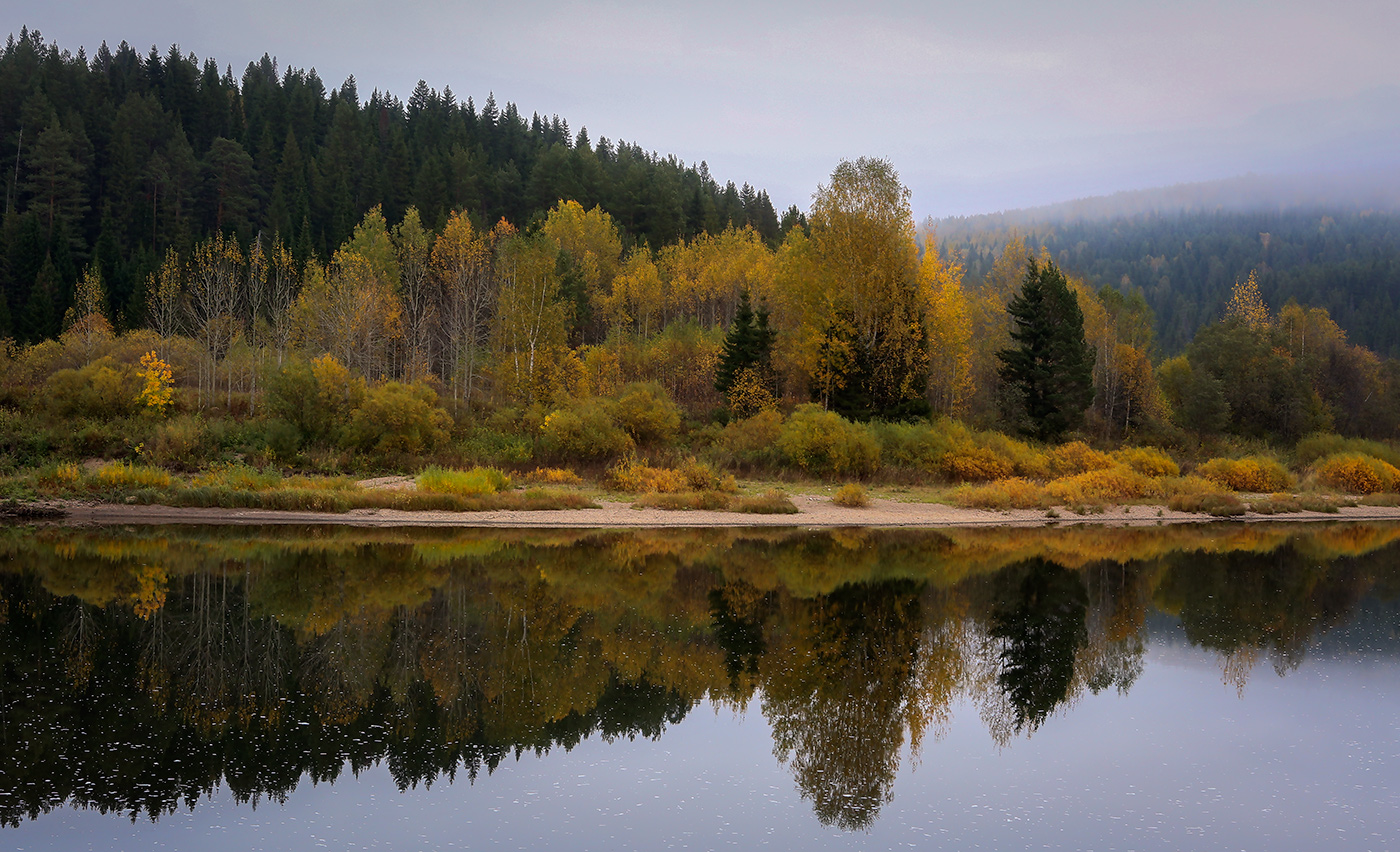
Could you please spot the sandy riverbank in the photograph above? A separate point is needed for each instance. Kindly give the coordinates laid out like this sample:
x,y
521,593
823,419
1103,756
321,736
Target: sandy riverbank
x,y
814,511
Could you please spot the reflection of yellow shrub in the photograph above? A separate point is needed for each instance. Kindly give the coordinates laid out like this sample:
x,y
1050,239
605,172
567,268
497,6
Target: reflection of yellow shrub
x,y
1115,483
1148,461
1254,473
975,464
1355,473
1014,493
1077,457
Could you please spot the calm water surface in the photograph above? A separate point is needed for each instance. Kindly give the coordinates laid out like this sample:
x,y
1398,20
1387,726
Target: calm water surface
x,y
1211,687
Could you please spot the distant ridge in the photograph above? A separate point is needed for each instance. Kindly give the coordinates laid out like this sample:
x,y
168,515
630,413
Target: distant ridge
x,y
1349,191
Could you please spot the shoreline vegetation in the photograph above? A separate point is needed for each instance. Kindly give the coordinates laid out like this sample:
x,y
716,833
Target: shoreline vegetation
x,y
492,353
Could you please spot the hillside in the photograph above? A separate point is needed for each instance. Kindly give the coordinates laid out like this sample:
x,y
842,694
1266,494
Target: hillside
x,y
1186,259
118,156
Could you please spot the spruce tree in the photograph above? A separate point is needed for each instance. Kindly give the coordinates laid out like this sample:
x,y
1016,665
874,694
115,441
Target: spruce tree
x,y
747,346
1052,366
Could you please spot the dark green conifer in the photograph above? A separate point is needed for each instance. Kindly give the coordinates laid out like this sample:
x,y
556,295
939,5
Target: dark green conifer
x,y
747,346
1051,369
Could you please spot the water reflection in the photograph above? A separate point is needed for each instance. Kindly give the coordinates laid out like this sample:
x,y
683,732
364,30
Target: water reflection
x,y
141,668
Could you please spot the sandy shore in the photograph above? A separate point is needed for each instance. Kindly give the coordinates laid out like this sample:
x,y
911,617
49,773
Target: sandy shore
x,y
815,511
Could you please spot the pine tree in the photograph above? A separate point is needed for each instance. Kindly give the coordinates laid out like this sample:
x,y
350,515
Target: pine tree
x,y
1052,366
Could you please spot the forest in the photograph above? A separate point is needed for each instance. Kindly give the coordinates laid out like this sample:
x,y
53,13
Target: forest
x,y
222,289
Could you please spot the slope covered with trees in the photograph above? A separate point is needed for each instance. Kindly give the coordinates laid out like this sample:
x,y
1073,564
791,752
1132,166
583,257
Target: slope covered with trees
x,y
1186,263
116,157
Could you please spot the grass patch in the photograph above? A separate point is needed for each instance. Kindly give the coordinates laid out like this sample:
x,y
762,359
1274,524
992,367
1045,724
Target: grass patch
x,y
1381,500
1220,505
126,476
705,501
477,482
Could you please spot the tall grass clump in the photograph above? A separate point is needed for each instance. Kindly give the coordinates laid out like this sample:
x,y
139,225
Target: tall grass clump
x,y
852,496
128,476
476,482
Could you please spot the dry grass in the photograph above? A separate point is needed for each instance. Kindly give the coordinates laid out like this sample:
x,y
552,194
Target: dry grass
x,y
770,502
705,501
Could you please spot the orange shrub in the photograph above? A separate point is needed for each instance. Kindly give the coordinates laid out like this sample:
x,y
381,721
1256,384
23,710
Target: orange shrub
x,y
1254,473
1077,457
1356,473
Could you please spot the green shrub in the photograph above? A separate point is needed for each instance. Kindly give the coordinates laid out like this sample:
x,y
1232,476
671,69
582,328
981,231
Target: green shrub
x,y
397,419
826,444
182,443
103,389
751,441
464,483
647,413
584,430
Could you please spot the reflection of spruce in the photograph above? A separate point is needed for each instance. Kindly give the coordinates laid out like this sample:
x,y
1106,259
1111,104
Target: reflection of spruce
x,y
1041,627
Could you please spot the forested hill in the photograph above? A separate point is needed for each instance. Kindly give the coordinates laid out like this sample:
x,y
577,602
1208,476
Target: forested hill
x,y
1186,262
115,157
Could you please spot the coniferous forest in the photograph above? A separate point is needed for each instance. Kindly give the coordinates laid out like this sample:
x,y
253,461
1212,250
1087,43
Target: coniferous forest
x,y
226,290
116,157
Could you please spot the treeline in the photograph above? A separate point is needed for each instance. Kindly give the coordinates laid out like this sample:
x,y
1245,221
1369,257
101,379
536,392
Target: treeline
x,y
559,344
115,158
1185,264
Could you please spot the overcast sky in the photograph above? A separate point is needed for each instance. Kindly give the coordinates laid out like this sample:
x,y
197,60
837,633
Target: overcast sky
x,y
981,106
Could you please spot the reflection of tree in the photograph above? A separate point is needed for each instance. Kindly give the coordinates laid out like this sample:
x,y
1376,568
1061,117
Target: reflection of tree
x,y
738,611
1040,628
1248,605
835,689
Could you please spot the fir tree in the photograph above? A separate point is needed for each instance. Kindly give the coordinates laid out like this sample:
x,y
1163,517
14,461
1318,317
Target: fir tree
x,y
1052,366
